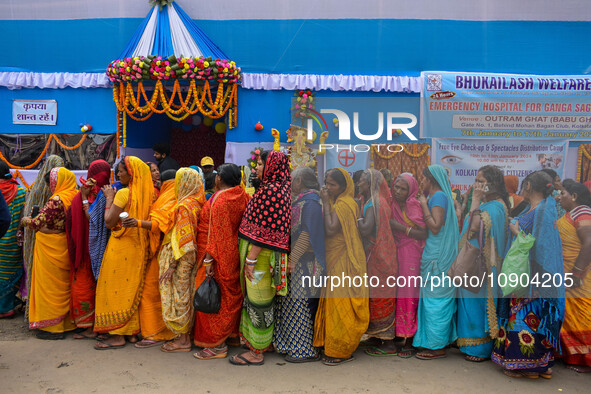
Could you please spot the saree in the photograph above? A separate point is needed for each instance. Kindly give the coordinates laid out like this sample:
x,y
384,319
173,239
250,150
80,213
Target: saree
x,y
266,223
409,252
121,279
150,310
529,331
50,280
436,325
11,257
82,281
218,235
343,314
575,335
37,195
477,313
177,294
381,261
296,311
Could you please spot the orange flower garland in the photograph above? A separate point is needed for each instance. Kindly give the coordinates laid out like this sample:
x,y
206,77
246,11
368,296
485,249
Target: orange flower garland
x,y
44,152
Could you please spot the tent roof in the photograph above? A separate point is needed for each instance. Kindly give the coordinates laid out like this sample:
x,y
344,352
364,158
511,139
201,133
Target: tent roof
x,y
167,31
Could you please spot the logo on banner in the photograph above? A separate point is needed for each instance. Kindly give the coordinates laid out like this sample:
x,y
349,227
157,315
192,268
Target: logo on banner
x,y
434,82
346,158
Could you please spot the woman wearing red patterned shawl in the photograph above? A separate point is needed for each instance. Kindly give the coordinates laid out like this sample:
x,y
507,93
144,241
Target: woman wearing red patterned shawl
x,y
83,285
264,246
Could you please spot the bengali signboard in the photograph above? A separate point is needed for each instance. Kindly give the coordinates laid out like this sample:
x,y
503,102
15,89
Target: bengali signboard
x,y
463,157
42,112
474,105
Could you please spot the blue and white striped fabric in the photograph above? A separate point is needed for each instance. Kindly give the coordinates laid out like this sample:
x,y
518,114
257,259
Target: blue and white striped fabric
x,y
170,31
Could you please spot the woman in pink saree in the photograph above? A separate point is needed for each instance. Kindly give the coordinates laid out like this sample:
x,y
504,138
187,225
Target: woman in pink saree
x,y
408,227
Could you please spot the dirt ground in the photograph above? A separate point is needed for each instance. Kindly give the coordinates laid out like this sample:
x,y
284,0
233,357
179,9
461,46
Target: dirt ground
x,y
30,365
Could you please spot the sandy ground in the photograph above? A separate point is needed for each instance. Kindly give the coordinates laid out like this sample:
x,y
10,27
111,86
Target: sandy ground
x,y
30,365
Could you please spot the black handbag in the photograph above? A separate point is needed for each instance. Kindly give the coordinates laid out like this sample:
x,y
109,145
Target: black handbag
x,y
208,298
470,261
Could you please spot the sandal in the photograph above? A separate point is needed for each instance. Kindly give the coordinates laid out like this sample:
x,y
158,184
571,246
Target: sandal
x,y
429,355
170,347
106,346
299,360
233,360
521,374
475,359
51,336
407,352
8,315
80,335
379,352
210,353
547,374
146,343
332,361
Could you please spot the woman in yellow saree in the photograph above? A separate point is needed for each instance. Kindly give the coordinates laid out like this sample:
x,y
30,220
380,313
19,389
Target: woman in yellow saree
x,y
49,302
121,279
343,312
575,234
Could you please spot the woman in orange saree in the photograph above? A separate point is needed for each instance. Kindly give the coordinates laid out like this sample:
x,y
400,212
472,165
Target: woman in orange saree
x,y
575,233
82,282
343,312
49,309
121,279
154,330
218,257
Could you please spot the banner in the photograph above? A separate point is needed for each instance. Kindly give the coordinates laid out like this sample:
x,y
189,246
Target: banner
x,y
512,106
463,158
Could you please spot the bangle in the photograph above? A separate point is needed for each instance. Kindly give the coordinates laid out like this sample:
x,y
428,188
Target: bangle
x,y
109,207
251,261
578,269
251,264
139,224
428,217
408,231
206,264
208,260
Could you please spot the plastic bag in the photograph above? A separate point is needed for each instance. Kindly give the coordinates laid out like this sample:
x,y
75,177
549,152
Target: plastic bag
x,y
516,264
208,297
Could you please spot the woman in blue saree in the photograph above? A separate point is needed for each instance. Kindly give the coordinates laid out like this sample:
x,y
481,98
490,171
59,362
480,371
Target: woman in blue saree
x,y
437,305
477,316
530,322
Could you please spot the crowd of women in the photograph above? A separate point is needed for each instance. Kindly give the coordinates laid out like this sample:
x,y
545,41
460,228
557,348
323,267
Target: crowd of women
x,y
114,262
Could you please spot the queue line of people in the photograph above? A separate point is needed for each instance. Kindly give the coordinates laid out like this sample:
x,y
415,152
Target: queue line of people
x,y
120,260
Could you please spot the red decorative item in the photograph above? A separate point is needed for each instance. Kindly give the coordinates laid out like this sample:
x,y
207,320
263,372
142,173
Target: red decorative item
x,y
258,126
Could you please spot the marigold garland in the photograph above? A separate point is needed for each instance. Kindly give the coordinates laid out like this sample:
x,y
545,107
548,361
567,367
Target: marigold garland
x,y
198,99
44,152
17,174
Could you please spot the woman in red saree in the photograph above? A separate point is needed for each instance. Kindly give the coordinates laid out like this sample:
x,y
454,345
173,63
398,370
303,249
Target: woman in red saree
x,y
218,257
380,250
82,283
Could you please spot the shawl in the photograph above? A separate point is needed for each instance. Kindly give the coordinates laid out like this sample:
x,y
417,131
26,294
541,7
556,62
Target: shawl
x,y
512,184
267,219
444,246
162,214
9,189
306,215
63,185
413,209
98,233
76,222
190,196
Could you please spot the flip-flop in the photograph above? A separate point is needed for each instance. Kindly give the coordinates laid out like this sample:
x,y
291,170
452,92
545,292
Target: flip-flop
x,y
378,352
330,361
175,349
409,352
430,356
475,359
210,354
109,346
246,362
79,335
299,360
521,374
147,343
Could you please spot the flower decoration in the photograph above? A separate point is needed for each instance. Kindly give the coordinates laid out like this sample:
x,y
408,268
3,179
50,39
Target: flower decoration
x,y
526,342
532,321
305,103
254,157
152,67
